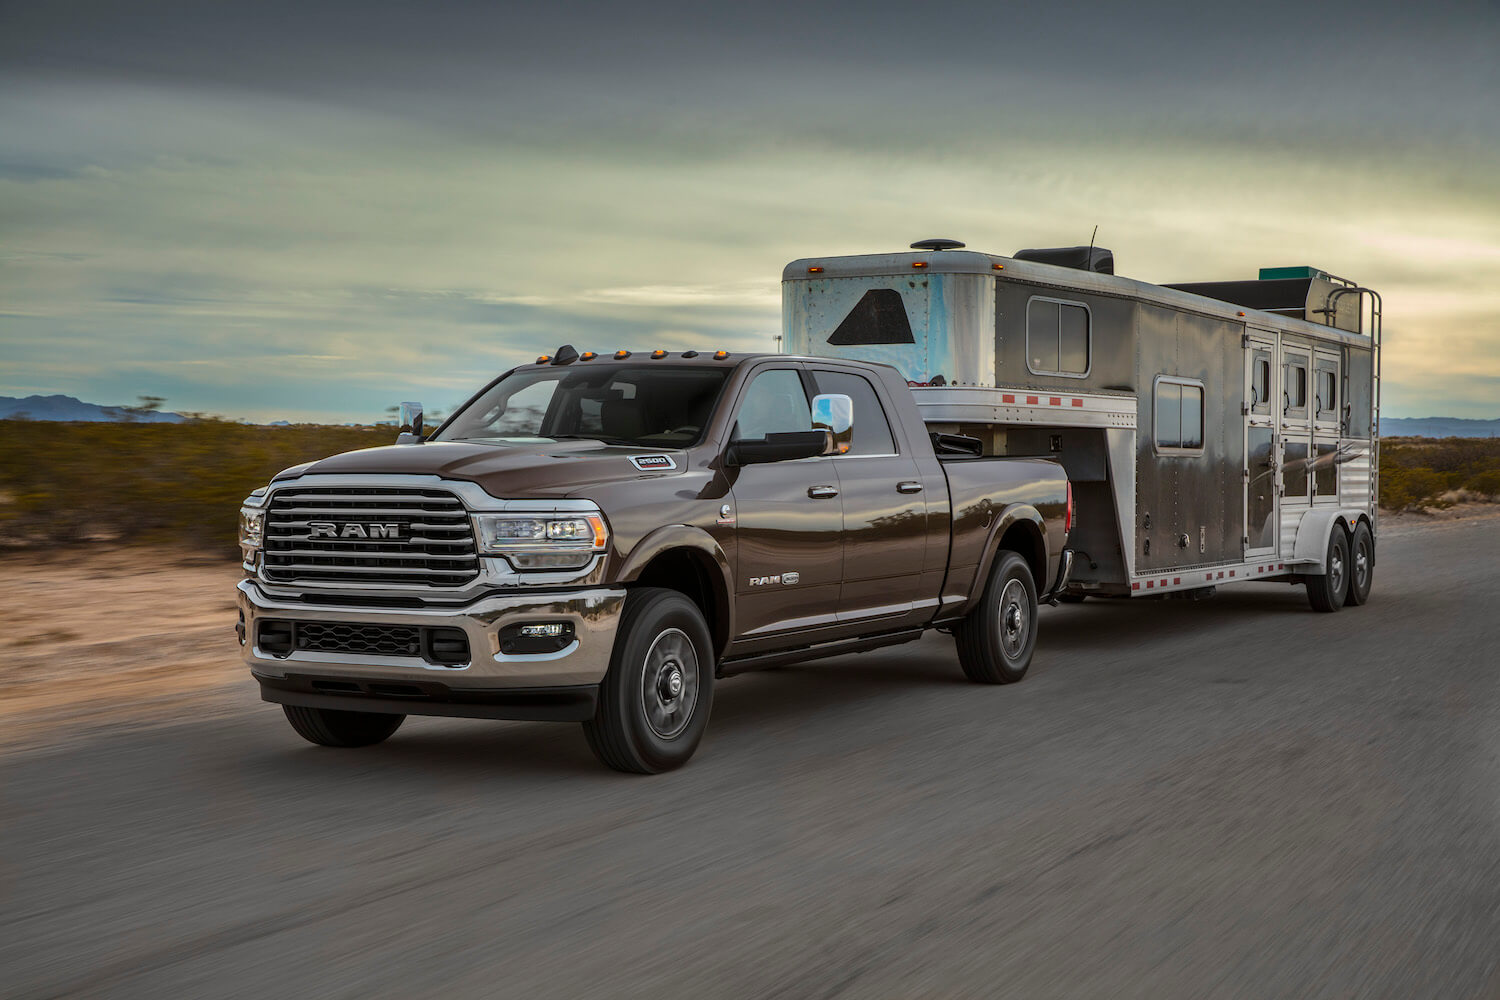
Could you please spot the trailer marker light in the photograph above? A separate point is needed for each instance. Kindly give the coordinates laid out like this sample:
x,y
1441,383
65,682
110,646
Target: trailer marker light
x,y
1008,398
1240,313
998,267
658,353
919,263
815,270
1077,402
622,354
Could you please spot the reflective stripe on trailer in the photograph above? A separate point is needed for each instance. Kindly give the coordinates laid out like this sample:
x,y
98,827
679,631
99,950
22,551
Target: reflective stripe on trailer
x,y
1238,573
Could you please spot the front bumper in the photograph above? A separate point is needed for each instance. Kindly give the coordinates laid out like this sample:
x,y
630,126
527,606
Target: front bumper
x,y
492,684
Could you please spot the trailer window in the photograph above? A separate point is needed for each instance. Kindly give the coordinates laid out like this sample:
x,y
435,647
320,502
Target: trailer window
x,y
1057,337
1296,387
1178,415
1260,382
1327,391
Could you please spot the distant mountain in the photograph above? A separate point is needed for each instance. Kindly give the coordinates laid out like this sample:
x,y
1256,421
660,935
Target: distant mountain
x,y
68,408
1438,427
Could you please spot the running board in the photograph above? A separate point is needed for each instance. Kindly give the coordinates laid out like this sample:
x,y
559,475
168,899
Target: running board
x,y
760,661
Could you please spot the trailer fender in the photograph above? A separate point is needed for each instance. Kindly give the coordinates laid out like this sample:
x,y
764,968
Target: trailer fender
x,y
1310,552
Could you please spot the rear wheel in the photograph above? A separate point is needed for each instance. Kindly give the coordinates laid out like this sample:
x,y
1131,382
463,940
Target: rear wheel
x,y
996,639
1361,565
1326,592
329,728
655,700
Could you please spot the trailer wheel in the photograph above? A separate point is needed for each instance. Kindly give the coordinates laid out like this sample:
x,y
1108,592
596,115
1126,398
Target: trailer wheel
x,y
1361,565
331,728
995,641
655,700
1326,592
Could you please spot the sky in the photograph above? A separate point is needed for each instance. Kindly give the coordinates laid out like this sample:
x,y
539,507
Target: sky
x,y
273,210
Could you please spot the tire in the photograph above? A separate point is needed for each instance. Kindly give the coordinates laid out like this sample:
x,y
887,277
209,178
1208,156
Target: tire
x,y
329,728
1326,592
655,700
1361,565
997,638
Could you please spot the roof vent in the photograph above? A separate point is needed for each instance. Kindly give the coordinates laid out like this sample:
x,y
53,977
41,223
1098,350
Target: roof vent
x,y
938,244
1096,259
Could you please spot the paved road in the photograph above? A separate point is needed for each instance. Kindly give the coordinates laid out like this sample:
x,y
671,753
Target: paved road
x,y
1231,798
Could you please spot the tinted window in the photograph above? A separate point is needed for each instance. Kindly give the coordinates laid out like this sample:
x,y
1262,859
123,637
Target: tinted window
x,y
1057,338
872,431
1179,415
1327,391
1296,387
775,402
1260,382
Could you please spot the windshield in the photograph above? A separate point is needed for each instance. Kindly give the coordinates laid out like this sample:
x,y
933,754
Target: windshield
x,y
656,407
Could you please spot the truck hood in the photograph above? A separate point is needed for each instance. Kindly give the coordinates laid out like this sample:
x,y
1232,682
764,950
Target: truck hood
x,y
507,471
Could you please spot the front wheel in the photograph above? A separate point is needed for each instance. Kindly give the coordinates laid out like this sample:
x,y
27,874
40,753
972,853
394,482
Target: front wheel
x,y
996,639
655,700
330,728
1326,592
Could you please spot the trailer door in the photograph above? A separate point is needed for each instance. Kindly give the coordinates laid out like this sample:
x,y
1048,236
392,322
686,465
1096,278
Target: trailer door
x,y
1296,432
1262,506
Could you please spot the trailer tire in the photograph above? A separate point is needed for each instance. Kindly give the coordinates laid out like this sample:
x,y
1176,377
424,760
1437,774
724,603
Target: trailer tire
x,y
997,638
655,699
1361,565
332,728
1326,592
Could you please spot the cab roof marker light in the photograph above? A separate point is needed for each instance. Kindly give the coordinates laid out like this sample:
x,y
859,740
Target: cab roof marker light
x,y
690,354
720,355
622,354
544,359
658,353
587,356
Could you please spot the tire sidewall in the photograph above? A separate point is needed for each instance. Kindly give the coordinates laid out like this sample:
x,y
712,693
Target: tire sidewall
x,y
660,612
1358,595
1338,539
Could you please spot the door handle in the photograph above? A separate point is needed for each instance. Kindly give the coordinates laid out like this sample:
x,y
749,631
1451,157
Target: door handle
x,y
822,492
909,487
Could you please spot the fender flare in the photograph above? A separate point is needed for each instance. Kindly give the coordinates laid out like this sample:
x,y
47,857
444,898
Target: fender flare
x,y
1311,548
1010,516
672,537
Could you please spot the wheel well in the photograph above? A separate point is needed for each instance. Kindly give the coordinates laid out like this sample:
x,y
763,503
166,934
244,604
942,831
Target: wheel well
x,y
694,575
1024,538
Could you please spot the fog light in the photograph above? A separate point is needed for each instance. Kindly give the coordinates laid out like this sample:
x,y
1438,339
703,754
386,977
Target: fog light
x,y
536,637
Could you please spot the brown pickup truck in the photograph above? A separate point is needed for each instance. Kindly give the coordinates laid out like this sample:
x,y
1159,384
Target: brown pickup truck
x,y
599,538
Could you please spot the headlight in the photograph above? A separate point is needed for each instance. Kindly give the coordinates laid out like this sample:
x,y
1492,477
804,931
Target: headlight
x,y
543,541
252,526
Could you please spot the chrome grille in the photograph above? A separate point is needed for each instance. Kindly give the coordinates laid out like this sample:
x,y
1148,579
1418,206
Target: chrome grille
x,y
433,544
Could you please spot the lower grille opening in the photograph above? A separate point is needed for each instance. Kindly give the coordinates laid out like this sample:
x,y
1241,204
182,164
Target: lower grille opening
x,y
440,646
334,686
397,690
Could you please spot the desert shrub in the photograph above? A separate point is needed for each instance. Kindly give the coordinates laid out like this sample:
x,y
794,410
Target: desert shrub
x,y
63,483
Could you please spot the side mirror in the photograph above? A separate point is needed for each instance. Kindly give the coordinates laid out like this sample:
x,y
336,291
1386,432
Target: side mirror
x,y
411,424
787,446
834,412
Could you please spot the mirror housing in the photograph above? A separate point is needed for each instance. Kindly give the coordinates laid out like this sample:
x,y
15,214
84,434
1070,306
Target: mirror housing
x,y
411,424
834,412
787,446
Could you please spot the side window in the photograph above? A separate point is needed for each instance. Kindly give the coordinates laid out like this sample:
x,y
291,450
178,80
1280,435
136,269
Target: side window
x,y
1260,383
872,431
1296,386
775,402
1057,338
1177,408
1326,390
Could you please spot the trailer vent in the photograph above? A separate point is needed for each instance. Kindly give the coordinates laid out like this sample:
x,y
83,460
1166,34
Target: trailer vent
x,y
1096,259
879,317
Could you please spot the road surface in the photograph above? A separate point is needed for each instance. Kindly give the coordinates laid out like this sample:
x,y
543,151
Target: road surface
x,y
1234,798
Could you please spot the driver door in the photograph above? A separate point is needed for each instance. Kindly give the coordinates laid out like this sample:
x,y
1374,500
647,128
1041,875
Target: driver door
x,y
788,516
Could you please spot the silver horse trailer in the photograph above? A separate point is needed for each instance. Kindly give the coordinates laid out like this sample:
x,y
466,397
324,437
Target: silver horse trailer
x,y
1214,432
